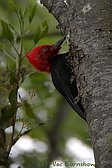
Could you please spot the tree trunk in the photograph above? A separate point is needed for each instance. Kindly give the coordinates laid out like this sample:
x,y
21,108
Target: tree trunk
x,y
89,26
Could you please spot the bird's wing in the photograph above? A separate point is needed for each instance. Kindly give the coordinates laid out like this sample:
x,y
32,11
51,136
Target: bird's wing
x,y
61,75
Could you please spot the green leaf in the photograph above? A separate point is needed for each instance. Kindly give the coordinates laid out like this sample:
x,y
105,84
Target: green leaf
x,y
38,35
28,110
14,30
6,32
6,115
10,62
15,9
6,112
13,5
45,28
41,32
23,10
32,13
13,76
21,15
2,47
2,138
13,99
28,131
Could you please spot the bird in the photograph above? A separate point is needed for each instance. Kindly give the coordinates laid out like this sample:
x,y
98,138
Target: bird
x,y
46,58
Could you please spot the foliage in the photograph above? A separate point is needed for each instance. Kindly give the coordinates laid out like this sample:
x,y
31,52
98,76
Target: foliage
x,y
27,98
16,74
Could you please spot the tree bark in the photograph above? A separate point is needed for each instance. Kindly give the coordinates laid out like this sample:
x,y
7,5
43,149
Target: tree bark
x,y
89,26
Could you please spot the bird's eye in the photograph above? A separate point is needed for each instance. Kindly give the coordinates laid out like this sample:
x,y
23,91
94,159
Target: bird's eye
x,y
45,49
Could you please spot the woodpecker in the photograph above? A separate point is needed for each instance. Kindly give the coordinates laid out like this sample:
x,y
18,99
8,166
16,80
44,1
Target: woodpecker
x,y
46,58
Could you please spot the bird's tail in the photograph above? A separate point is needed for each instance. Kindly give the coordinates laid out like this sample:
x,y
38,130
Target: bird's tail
x,y
75,105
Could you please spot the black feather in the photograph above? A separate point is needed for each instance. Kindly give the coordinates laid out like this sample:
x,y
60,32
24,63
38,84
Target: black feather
x,y
61,76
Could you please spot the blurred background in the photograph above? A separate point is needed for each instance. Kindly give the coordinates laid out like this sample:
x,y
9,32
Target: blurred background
x,y
58,135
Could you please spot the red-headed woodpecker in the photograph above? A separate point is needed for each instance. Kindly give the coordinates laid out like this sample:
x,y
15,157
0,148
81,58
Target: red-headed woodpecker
x,y
46,58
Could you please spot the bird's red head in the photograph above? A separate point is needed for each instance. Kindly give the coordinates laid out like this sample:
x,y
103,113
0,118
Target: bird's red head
x,y
41,57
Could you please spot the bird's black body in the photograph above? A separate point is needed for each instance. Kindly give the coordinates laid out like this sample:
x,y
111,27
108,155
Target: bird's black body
x,y
61,76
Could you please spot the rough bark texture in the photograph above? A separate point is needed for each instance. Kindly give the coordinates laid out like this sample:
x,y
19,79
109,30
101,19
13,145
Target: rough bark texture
x,y
89,25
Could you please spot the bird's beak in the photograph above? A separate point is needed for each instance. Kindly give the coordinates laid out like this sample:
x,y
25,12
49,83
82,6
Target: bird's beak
x,y
58,44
